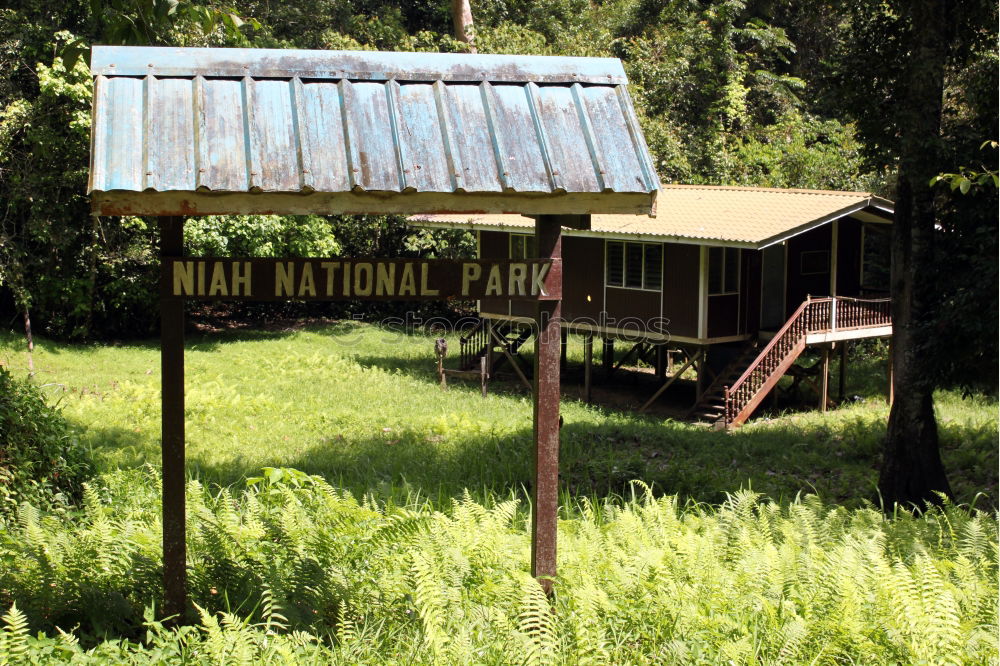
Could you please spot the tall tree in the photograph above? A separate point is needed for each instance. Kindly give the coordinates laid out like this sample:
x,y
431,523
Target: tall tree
x,y
902,76
912,470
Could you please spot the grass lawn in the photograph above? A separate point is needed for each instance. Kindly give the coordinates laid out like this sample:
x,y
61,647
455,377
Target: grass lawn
x,y
359,405
406,567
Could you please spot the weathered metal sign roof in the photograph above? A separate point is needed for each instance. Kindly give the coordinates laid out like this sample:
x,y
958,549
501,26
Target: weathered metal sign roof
x,y
179,131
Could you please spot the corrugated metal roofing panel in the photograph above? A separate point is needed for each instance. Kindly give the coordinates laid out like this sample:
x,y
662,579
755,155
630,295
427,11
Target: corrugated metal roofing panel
x,y
321,124
171,151
239,121
736,215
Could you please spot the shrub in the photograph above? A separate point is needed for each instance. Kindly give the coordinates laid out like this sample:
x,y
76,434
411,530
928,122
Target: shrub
x,y
41,462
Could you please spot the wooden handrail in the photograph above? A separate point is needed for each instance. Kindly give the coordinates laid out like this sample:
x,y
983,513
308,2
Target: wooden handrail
x,y
814,315
770,345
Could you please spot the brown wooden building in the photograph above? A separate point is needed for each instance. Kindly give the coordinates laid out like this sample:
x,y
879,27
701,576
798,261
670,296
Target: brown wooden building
x,y
722,274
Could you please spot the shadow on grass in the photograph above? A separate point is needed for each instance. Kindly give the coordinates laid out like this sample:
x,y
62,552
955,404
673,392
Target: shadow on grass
x,y
834,455
837,461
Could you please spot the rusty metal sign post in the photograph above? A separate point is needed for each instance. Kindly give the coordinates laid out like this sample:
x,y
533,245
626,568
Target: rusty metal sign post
x,y
184,278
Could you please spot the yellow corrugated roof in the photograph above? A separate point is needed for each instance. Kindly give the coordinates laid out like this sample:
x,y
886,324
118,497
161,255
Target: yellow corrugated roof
x,y
738,215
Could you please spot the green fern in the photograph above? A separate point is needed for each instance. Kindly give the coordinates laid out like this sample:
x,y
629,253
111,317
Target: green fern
x,y
14,637
429,602
536,624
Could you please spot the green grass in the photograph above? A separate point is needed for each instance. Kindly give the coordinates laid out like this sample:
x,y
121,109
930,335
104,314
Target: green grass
x,y
360,406
383,558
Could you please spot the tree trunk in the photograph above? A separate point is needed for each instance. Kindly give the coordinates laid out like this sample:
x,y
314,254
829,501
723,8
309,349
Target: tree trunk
x,y
461,13
31,341
912,472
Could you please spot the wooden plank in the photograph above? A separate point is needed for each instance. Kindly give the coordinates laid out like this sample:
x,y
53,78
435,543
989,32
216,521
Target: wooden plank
x,y
629,354
691,360
360,203
608,356
510,359
358,65
362,278
842,384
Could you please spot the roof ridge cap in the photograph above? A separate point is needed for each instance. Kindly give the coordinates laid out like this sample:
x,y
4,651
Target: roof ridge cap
x,y
769,190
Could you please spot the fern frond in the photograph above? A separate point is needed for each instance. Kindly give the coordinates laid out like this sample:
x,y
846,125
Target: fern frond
x,y
14,638
429,601
536,623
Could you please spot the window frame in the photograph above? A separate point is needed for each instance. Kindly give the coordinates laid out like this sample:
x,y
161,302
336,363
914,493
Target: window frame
x,y
722,277
624,269
523,240
802,257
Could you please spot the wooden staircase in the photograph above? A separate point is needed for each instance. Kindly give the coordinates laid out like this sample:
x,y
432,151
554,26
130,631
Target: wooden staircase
x,y
489,336
742,386
711,407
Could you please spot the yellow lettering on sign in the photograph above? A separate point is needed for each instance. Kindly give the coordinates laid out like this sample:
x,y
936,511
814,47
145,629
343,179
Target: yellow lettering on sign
x,y
329,267
538,273
424,289
183,278
241,280
284,278
307,285
517,274
494,287
201,278
470,273
408,282
363,275
346,274
385,280
218,286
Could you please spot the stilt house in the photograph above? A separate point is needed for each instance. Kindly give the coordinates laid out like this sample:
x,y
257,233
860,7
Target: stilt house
x,y
740,280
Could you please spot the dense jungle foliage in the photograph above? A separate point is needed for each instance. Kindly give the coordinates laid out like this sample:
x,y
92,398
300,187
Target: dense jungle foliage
x,y
746,92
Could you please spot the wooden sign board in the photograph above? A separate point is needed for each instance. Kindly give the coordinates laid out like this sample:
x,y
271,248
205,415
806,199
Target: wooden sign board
x,y
340,278
360,279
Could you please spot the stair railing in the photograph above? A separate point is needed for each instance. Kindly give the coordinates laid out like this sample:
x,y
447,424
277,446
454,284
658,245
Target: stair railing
x,y
819,315
474,344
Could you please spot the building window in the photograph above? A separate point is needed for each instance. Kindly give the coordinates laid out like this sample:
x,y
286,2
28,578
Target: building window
x,y
522,246
723,270
875,250
814,262
634,265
